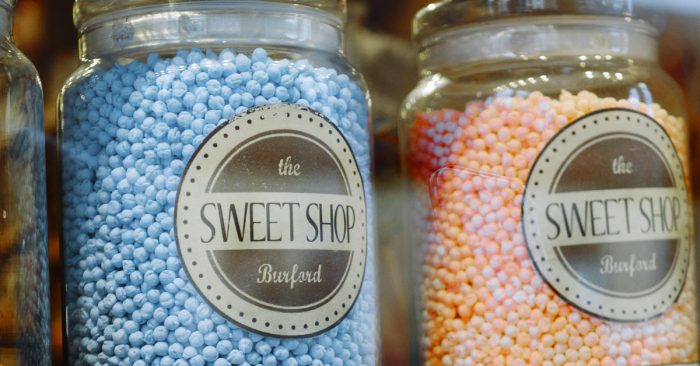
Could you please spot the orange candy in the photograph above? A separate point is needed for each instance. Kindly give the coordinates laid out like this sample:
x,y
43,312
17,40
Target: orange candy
x,y
483,303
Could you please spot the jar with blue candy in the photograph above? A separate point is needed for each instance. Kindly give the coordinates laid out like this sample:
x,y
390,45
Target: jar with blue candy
x,y
217,201
25,333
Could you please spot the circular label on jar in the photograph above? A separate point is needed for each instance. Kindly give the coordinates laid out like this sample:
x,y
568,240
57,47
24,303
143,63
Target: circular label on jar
x,y
606,216
271,224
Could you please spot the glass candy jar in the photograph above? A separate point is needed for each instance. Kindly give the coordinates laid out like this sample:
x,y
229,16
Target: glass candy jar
x,y
25,333
548,157
217,194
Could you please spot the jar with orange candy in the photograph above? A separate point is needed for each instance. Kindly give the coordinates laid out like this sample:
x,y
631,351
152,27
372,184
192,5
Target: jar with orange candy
x,y
547,155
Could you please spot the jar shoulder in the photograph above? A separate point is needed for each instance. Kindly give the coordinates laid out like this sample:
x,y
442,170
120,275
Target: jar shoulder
x,y
16,70
224,81
619,79
323,65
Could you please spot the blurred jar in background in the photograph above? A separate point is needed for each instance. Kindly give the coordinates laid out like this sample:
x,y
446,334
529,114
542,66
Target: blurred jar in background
x,y
24,288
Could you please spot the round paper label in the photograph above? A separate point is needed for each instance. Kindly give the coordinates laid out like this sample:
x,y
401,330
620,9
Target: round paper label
x,y
606,217
271,222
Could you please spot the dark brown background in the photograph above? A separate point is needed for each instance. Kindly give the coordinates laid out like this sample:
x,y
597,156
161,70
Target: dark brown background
x,y
44,31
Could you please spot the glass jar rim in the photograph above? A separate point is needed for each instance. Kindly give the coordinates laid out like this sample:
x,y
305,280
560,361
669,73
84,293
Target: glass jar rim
x,y
449,16
89,12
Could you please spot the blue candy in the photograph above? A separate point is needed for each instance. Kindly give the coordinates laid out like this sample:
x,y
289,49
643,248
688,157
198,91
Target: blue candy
x,y
129,132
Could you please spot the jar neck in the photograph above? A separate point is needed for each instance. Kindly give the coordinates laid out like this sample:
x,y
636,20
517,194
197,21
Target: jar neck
x,y
204,25
5,22
540,38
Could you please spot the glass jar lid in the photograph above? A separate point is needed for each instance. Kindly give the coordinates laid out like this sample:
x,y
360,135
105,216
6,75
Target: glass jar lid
x,y
8,4
87,12
448,15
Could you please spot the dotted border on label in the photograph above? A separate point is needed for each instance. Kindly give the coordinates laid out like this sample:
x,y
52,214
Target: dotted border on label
x,y
256,322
